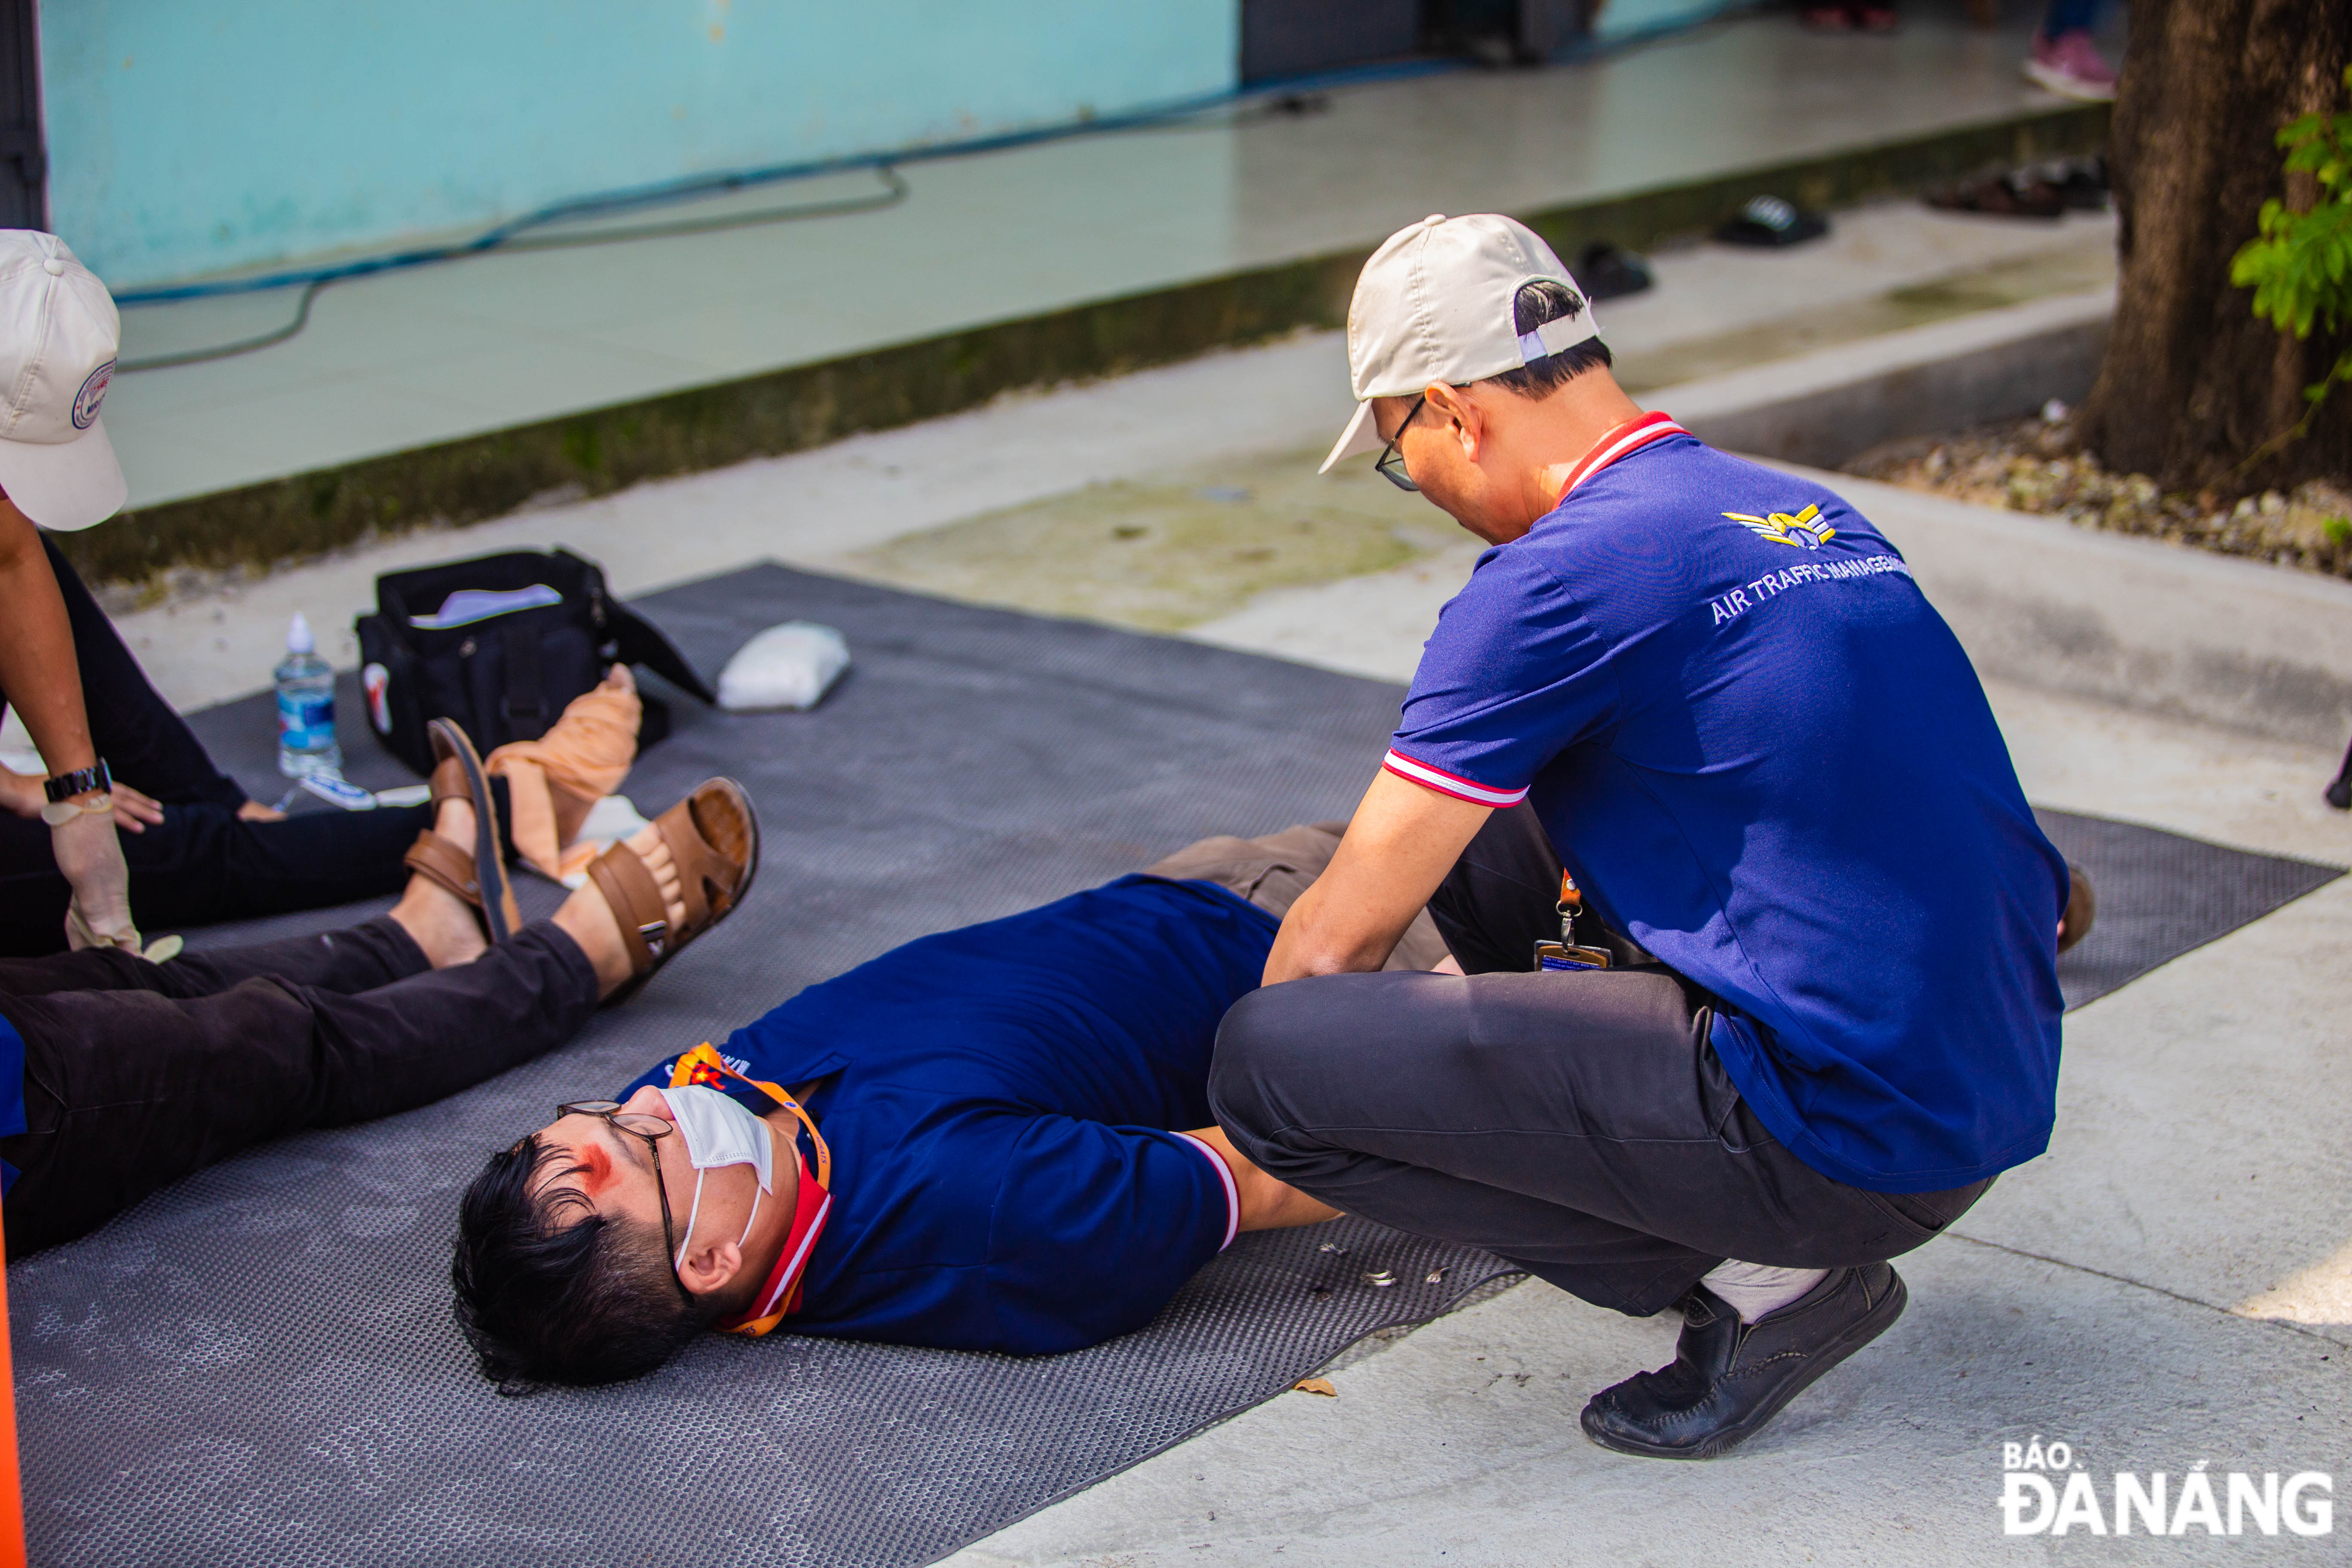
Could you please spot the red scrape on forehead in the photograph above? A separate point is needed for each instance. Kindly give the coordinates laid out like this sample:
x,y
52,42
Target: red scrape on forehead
x,y
595,1166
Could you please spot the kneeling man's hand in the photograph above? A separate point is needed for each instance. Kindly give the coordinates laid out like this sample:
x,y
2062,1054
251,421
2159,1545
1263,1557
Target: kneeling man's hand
x,y
1401,844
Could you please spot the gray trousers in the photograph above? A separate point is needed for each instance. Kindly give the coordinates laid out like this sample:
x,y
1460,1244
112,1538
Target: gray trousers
x,y
1577,1124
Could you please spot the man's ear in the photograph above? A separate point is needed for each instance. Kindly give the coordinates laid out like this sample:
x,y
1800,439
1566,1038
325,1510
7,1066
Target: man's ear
x,y
1449,405
711,1266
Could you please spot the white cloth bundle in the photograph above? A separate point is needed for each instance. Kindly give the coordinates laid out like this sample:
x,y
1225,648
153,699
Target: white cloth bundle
x,y
790,666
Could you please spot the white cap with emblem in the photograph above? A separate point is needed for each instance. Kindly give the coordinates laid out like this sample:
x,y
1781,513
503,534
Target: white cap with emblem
x,y
58,333
1434,304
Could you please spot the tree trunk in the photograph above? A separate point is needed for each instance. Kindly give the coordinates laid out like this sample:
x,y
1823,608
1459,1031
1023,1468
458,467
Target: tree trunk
x,y
2193,382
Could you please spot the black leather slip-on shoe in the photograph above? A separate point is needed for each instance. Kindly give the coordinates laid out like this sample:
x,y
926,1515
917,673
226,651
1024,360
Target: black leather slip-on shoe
x,y
1730,1378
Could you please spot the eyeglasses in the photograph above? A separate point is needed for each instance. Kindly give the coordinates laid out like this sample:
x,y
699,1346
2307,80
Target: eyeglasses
x,y
1392,464
652,1128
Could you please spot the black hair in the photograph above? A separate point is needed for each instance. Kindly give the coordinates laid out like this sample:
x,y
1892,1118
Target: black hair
x,y
1536,303
543,1298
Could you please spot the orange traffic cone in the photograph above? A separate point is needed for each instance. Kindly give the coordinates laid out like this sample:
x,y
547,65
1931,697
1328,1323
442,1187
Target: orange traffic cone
x,y
11,1496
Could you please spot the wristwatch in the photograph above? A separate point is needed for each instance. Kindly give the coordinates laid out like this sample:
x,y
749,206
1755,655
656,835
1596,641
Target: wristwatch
x,y
62,809
81,780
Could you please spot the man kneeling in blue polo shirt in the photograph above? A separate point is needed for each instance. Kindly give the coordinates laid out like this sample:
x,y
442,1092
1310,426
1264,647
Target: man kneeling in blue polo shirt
x,y
1692,728
992,1138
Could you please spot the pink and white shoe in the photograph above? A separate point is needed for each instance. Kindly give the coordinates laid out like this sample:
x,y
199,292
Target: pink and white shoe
x,y
2071,66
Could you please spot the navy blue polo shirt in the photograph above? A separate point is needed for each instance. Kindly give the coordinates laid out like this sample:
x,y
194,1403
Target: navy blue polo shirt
x,y
1764,757
1005,1106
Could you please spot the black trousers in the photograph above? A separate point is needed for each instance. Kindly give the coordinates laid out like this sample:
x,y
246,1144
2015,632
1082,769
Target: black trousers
x,y
137,1074
201,864
1578,1124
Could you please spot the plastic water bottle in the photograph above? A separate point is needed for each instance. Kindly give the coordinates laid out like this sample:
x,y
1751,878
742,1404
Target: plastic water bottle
x,y
306,708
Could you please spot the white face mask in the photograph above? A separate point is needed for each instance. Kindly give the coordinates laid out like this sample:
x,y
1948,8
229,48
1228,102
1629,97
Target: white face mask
x,y
718,1131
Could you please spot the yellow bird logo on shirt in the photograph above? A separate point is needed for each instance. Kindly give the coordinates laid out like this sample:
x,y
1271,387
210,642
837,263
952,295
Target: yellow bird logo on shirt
x,y
1805,531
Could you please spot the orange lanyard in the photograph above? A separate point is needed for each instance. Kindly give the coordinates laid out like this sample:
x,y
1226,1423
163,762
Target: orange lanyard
x,y
704,1065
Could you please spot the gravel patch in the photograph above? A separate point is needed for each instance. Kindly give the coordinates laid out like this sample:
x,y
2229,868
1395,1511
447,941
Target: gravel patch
x,y
2038,466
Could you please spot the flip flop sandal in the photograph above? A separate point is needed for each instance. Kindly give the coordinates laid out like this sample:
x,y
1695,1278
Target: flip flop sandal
x,y
1612,272
1769,223
714,841
480,882
2084,184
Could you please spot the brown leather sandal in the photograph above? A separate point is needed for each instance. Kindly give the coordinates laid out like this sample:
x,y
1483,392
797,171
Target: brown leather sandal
x,y
714,841
449,783
479,880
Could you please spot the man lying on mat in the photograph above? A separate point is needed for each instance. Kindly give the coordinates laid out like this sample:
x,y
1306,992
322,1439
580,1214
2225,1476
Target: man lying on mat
x,y
119,1076
994,1139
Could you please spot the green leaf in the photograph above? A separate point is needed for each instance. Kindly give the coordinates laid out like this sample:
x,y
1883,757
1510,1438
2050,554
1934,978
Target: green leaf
x,y
2299,264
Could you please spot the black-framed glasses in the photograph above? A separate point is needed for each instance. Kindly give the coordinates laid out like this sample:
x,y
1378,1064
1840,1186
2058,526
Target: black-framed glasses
x,y
1392,464
651,1129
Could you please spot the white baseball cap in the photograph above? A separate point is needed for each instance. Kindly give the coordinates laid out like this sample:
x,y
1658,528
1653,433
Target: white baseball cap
x,y
58,333
1433,305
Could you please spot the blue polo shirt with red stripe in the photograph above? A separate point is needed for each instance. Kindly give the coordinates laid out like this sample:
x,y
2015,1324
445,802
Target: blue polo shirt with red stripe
x,y
1764,756
1010,1109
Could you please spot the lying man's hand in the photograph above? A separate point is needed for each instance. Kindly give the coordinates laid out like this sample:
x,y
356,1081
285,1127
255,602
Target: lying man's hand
x,y
1265,1203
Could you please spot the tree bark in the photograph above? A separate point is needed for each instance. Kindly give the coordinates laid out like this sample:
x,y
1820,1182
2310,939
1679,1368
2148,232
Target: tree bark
x,y
2194,382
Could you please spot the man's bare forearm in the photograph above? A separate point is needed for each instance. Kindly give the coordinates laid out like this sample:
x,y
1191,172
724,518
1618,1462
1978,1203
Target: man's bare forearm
x,y
36,653
1317,938
1401,844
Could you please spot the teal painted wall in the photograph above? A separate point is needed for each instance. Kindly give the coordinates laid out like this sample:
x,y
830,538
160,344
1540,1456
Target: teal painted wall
x,y
186,136
1620,17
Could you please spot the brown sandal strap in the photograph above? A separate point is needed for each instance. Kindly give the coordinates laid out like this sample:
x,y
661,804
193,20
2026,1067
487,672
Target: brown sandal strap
x,y
685,850
711,881
433,858
449,783
635,901
702,866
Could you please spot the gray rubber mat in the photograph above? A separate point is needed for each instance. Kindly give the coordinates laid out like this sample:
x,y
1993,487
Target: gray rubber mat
x,y
258,1366
2161,894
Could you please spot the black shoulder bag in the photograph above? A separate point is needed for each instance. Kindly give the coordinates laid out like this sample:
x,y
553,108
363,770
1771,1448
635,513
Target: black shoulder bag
x,y
506,675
